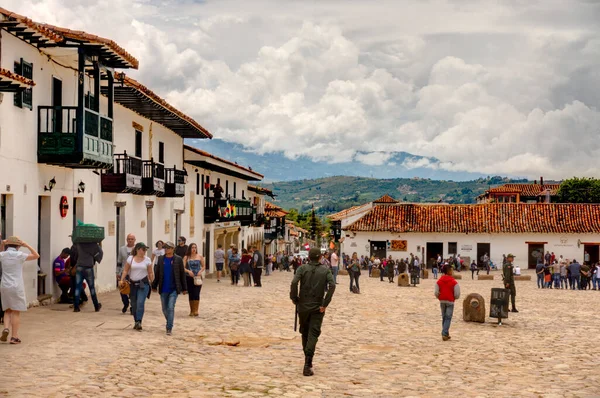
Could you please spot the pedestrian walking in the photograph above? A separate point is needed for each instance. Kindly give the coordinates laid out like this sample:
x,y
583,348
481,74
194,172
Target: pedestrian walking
x,y
575,269
234,266
170,282
141,275
473,269
194,265
12,286
390,269
447,291
335,265
219,261
158,251
269,265
245,267
509,279
84,256
354,270
316,291
257,265
124,253
182,247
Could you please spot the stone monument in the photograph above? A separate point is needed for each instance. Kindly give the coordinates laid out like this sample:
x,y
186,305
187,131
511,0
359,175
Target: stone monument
x,y
474,308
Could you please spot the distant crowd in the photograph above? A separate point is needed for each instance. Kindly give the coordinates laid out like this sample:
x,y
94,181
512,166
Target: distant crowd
x,y
564,273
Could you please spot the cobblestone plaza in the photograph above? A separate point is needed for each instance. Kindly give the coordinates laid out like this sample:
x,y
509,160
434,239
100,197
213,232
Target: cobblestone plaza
x,y
384,342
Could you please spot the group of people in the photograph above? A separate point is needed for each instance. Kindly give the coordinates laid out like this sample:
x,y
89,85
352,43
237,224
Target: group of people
x,y
249,265
564,273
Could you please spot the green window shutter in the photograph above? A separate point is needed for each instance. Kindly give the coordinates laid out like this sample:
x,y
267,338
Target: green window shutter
x,y
18,96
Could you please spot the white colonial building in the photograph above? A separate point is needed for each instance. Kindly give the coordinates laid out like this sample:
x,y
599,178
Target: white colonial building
x,y
386,227
80,141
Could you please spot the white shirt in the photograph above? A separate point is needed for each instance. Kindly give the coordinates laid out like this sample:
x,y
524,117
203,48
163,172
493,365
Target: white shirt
x,y
334,260
157,253
517,270
138,271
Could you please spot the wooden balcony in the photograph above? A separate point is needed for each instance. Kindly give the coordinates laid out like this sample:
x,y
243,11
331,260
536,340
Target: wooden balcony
x,y
125,176
60,143
174,183
153,178
223,210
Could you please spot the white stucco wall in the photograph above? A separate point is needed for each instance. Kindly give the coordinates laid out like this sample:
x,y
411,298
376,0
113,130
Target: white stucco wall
x,y
560,244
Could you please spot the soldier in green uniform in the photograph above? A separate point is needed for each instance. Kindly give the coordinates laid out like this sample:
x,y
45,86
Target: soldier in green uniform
x,y
315,280
509,279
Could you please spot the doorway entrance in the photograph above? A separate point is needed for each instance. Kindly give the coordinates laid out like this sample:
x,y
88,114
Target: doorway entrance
x,y
57,103
535,251
120,229
43,245
482,249
594,253
432,249
378,248
207,251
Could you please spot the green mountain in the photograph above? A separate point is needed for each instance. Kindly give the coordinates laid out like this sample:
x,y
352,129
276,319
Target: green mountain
x,y
333,194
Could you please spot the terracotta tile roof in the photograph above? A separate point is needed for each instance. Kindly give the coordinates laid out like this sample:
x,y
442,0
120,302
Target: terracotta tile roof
x,y
526,189
210,155
261,190
272,210
57,35
482,218
342,214
174,113
386,199
6,75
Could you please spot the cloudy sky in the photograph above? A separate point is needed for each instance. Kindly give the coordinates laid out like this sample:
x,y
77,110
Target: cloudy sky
x,y
499,87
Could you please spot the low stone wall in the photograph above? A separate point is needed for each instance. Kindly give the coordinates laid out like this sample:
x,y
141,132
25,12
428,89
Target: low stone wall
x,y
375,273
457,276
403,280
343,272
485,277
523,278
425,274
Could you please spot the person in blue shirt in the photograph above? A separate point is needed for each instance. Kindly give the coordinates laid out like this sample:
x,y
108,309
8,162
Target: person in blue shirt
x,y
169,281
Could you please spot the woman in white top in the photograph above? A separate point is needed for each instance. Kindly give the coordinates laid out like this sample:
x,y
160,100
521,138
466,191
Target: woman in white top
x,y
141,275
159,251
12,287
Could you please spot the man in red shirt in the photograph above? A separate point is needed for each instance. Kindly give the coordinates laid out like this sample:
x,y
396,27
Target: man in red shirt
x,y
447,290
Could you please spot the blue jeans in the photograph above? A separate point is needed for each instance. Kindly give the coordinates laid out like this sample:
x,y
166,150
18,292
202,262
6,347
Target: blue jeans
x,y
334,271
351,275
138,300
87,274
595,280
563,279
168,307
435,272
540,280
556,278
447,311
576,280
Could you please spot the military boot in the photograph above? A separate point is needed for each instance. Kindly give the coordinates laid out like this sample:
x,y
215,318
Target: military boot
x,y
308,366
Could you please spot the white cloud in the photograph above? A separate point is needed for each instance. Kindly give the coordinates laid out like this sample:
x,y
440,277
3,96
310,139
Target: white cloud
x,y
499,88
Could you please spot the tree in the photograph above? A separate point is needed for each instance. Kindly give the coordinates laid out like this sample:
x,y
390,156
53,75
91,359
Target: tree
x,y
579,190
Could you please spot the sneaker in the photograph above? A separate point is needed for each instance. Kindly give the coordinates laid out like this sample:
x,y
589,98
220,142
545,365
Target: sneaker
x,y
98,307
137,325
445,338
124,310
169,332
514,310
76,309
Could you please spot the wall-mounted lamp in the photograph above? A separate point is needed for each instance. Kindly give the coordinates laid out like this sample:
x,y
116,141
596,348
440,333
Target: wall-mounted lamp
x,y
50,185
81,187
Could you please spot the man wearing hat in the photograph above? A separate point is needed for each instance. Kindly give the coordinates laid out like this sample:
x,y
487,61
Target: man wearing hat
x,y
509,279
315,280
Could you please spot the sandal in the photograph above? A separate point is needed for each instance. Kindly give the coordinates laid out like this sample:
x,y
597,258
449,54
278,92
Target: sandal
x,y
4,335
15,340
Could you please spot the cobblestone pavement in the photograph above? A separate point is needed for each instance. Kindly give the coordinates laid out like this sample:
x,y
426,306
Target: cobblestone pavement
x,y
383,342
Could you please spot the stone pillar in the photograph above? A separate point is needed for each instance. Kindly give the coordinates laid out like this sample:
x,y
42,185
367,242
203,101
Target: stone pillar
x,y
474,308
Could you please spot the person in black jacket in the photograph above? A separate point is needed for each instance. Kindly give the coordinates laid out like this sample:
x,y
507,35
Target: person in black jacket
x,y
84,256
170,282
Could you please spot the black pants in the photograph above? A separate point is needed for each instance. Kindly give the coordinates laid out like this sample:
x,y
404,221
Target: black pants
x,y
257,274
235,276
473,274
310,327
193,290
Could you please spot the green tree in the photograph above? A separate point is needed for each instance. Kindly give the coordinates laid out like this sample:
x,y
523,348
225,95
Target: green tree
x,y
579,190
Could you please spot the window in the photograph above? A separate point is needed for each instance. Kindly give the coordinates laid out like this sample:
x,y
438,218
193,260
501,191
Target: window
x,y
138,143
243,197
218,181
161,152
24,99
202,185
226,188
234,189
197,184
452,247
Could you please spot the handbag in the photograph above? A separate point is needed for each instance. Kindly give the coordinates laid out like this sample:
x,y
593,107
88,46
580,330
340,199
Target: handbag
x,y
198,280
125,289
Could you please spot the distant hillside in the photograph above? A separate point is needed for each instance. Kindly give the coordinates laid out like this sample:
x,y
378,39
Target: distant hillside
x,y
276,167
333,194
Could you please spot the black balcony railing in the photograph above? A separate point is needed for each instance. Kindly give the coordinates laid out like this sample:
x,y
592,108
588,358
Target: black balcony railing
x,y
125,176
153,178
174,182
60,143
